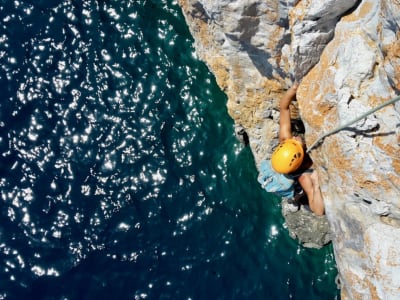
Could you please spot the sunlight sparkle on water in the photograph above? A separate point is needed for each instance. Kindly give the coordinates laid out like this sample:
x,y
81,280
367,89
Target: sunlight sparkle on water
x,y
124,226
39,271
185,217
105,55
274,230
157,177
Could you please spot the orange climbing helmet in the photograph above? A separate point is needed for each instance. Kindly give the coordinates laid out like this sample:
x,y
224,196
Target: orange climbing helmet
x,y
287,157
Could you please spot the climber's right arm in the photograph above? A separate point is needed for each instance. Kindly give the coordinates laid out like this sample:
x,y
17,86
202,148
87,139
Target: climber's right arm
x,y
285,129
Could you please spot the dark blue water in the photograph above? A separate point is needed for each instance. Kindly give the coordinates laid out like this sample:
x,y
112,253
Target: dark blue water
x,y
120,176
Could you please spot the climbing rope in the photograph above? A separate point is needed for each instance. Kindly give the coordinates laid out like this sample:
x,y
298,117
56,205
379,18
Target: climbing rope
x,y
371,111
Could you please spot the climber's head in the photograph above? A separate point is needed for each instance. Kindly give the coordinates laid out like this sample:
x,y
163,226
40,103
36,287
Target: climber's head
x,y
288,156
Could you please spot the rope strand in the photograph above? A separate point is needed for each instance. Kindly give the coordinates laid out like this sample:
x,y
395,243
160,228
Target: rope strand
x,y
371,111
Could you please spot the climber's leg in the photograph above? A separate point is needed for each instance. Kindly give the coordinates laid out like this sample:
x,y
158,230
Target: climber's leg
x,y
310,184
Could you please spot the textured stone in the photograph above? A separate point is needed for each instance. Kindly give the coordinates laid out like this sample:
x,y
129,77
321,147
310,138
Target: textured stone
x,y
347,55
310,230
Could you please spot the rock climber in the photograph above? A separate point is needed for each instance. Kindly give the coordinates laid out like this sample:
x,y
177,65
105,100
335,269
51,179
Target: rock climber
x,y
291,159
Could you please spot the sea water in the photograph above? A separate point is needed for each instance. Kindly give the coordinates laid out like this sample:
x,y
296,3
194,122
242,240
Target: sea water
x,y
120,175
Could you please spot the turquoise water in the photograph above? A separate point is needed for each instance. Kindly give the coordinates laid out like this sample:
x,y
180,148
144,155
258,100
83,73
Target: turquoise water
x,y
120,175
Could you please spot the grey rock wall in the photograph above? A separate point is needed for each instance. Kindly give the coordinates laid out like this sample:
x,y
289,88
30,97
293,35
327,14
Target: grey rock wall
x,y
347,55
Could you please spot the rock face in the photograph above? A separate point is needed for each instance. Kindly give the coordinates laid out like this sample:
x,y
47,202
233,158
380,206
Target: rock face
x,y
347,55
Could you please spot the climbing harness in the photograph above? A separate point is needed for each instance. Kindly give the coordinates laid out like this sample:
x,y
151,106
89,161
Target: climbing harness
x,y
371,111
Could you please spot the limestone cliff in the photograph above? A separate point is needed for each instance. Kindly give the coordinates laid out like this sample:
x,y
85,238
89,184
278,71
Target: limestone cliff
x,y
347,55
